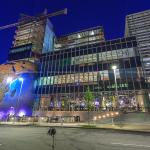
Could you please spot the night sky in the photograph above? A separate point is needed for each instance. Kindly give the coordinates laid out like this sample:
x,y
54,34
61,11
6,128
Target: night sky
x,y
81,14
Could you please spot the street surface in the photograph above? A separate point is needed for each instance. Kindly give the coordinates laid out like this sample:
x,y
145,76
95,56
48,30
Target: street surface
x,y
36,138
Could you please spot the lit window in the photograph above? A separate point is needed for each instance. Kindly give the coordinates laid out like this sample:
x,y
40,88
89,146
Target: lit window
x,y
85,77
79,36
117,74
44,81
104,75
81,77
92,33
48,80
148,64
52,80
41,81
90,76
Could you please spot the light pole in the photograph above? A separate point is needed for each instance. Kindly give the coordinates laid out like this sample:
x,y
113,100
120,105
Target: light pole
x,y
114,67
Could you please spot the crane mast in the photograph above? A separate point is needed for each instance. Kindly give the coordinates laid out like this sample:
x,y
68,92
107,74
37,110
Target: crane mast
x,y
32,18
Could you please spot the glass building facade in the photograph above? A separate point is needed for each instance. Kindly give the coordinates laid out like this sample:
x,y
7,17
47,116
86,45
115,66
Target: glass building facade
x,y
65,75
138,25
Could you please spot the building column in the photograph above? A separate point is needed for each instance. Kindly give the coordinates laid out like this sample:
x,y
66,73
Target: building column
x,y
140,100
146,101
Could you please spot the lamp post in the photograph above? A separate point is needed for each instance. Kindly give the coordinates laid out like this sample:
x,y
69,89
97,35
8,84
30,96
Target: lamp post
x,y
114,67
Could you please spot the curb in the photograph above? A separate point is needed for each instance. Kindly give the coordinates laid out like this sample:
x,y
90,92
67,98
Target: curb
x,y
79,126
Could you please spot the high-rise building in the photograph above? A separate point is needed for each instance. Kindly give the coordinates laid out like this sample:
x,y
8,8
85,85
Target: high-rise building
x,y
138,24
33,37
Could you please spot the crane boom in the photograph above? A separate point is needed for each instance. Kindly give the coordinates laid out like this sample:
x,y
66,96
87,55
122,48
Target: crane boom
x,y
61,12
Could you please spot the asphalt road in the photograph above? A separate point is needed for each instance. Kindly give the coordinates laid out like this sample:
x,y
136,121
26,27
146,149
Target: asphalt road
x,y
36,138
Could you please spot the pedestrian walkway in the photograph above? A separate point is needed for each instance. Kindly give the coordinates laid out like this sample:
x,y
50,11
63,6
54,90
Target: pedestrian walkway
x,y
125,127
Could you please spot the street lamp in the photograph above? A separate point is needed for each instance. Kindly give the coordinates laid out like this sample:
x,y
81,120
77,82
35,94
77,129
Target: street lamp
x,y
114,67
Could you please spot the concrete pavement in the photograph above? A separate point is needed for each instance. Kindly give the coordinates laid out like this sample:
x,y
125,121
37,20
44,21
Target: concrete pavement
x,y
128,127
31,138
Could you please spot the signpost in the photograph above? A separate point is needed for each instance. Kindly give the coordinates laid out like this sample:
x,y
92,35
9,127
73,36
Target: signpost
x,y
52,132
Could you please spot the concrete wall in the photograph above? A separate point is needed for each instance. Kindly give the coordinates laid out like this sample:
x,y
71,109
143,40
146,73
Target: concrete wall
x,y
83,114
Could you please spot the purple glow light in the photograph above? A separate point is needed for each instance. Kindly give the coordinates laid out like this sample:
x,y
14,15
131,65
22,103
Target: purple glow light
x,y
59,104
11,112
82,104
51,104
21,113
96,103
1,115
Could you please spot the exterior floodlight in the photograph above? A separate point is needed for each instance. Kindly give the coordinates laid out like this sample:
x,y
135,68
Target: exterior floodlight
x,y
114,67
1,115
112,114
117,113
92,33
107,115
79,36
21,113
20,79
95,118
9,80
11,112
104,116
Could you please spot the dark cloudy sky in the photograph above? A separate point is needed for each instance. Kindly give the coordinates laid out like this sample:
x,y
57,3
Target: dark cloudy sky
x,y
81,14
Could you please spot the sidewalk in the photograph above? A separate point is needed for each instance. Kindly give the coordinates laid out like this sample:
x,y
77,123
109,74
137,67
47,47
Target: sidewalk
x,y
124,127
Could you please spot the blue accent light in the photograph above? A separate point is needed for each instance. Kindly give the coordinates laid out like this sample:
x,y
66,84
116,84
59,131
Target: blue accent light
x,y
48,44
19,96
20,79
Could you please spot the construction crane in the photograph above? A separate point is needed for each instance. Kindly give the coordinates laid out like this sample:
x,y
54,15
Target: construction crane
x,y
32,18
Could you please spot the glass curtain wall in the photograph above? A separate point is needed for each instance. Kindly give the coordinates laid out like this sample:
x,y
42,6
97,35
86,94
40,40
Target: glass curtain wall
x,y
66,75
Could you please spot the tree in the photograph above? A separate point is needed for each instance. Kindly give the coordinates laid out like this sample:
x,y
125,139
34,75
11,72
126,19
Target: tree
x,y
88,98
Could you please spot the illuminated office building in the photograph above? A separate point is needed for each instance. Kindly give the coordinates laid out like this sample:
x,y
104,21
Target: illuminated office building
x,y
63,68
138,24
67,72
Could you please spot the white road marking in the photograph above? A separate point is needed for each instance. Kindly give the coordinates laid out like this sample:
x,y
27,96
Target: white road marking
x,y
135,145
